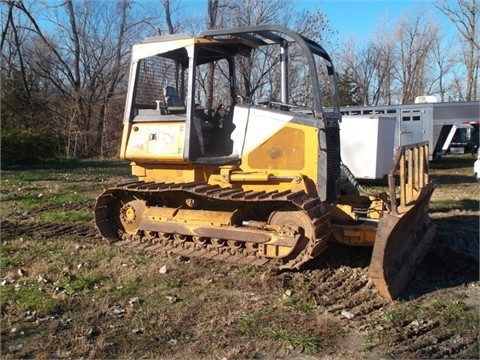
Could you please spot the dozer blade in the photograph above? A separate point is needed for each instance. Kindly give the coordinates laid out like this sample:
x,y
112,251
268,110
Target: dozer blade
x,y
400,245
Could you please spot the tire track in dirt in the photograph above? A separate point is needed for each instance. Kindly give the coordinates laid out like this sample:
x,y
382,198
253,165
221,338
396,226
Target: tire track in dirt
x,y
48,229
69,206
428,339
346,293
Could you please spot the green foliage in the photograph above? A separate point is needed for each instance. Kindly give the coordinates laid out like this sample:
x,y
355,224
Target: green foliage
x,y
20,144
347,91
25,128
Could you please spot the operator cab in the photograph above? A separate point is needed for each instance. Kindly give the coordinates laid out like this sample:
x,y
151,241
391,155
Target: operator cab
x,y
168,73
168,116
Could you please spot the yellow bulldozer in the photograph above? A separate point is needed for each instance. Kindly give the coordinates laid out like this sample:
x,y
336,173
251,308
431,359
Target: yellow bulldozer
x,y
253,180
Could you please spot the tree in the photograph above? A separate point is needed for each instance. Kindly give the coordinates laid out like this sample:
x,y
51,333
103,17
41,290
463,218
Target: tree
x,y
25,133
415,38
212,11
465,15
442,65
80,52
362,69
348,91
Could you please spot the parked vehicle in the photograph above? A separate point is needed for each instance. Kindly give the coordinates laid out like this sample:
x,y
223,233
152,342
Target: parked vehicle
x,y
254,182
476,167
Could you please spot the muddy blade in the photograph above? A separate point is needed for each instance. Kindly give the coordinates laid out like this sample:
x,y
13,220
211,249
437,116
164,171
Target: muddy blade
x,y
400,246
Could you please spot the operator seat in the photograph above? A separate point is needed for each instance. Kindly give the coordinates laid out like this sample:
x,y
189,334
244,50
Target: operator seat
x,y
173,102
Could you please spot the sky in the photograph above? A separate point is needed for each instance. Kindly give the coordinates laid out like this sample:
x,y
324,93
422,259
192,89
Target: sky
x,y
360,18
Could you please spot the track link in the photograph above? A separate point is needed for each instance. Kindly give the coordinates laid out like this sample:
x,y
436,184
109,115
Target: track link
x,y
111,204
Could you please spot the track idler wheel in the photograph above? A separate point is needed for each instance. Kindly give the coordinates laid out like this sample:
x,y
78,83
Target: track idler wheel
x,y
131,215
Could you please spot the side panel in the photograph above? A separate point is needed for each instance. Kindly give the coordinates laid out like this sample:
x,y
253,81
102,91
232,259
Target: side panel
x,y
262,124
367,145
156,141
285,150
240,121
411,126
278,145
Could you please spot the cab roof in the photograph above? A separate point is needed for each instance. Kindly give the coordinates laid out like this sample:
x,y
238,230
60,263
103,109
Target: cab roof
x,y
175,47
216,44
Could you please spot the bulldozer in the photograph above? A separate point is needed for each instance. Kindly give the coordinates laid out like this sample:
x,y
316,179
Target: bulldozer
x,y
253,180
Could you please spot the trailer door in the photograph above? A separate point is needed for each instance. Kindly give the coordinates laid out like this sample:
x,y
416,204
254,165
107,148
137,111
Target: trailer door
x,y
411,126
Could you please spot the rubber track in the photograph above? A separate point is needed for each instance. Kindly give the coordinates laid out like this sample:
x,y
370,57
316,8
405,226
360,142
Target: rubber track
x,y
312,206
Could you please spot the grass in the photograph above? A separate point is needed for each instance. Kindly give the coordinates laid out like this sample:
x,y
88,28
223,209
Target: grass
x,y
66,216
402,313
447,205
398,315
84,298
459,164
250,325
80,283
28,297
306,342
299,303
370,340
455,314
65,165
264,324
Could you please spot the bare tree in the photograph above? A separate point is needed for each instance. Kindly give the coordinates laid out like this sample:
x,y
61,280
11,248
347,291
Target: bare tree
x,y
465,15
361,67
13,40
173,11
415,39
84,62
232,13
168,16
212,11
384,48
370,67
441,67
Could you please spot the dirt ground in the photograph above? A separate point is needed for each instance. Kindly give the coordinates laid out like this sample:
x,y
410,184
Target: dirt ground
x,y
94,300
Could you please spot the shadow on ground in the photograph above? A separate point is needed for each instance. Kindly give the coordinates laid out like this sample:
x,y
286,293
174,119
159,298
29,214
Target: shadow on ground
x,y
452,260
64,164
456,179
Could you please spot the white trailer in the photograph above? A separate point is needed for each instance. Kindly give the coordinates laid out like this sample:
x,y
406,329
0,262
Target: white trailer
x,y
432,122
367,145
